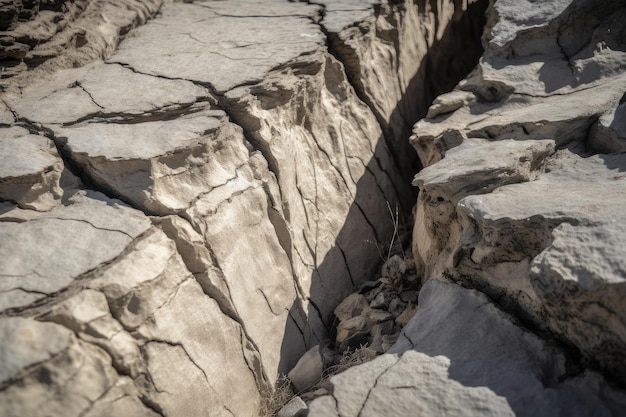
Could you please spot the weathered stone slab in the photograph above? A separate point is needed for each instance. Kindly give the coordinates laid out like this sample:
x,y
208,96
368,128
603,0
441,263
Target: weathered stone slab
x,y
44,253
45,367
219,38
461,355
554,237
30,170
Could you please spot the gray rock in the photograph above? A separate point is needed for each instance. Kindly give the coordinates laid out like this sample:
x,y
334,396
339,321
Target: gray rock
x,y
43,37
608,134
227,63
461,355
30,170
545,77
449,102
379,301
308,370
69,377
394,268
33,343
46,252
294,408
266,165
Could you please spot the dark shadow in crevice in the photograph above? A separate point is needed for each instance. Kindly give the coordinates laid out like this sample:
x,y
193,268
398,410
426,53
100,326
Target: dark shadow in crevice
x,y
447,61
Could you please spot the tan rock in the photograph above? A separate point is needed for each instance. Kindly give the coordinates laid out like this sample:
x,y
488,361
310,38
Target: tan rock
x,y
30,170
44,253
352,306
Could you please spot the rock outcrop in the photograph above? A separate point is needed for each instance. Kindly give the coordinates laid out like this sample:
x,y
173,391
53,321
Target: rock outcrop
x,y
538,223
181,213
521,199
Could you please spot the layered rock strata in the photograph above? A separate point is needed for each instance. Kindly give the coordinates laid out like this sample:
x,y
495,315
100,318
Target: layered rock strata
x,y
537,224
180,220
518,235
41,36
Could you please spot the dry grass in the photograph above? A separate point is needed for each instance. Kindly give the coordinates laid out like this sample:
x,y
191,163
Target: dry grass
x,y
348,359
272,400
395,220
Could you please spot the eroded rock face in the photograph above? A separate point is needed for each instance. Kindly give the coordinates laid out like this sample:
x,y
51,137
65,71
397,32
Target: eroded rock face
x,y
522,196
181,216
520,199
181,219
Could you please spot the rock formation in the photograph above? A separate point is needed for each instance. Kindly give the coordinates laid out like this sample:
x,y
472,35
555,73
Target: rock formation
x,y
188,190
521,199
182,212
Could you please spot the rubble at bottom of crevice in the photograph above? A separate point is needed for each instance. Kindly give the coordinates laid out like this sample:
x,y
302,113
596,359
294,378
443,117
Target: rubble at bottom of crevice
x,y
367,324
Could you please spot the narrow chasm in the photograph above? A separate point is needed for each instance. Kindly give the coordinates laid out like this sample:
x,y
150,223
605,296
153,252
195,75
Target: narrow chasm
x,y
397,61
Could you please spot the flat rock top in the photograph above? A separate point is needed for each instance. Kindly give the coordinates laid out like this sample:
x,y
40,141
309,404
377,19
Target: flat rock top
x,y
516,16
102,90
23,154
140,140
31,342
591,188
43,253
213,41
341,14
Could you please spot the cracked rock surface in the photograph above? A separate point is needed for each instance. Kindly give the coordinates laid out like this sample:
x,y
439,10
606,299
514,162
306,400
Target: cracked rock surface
x,y
522,194
189,189
518,235
462,355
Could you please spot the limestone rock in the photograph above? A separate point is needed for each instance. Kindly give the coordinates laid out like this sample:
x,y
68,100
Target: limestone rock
x,y
40,36
352,306
251,150
181,220
609,132
551,49
385,57
536,229
30,170
34,343
54,371
43,253
294,408
228,62
449,102
461,355
308,370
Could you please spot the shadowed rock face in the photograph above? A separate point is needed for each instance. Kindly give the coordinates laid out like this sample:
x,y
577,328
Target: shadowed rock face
x,y
182,212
